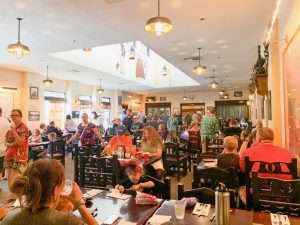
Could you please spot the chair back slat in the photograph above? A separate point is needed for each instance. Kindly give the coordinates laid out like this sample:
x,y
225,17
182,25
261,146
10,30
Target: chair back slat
x,y
270,169
161,189
276,195
57,150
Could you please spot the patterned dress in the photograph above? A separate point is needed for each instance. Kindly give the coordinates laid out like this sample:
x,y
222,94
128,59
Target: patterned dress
x,y
86,134
17,156
209,126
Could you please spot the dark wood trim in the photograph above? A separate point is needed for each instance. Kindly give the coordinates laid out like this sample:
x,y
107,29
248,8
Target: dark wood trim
x,y
160,104
193,104
230,102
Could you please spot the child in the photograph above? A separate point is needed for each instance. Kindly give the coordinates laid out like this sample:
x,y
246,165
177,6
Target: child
x,y
36,137
229,158
135,181
162,132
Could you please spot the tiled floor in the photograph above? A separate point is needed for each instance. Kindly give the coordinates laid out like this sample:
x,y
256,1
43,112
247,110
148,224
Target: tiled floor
x,y
187,181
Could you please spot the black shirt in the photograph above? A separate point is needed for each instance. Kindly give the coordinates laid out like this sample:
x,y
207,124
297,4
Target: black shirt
x,y
127,184
51,129
231,131
127,122
229,160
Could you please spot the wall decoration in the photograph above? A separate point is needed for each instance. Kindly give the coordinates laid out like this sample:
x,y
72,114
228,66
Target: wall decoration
x,y
75,114
238,94
34,93
34,115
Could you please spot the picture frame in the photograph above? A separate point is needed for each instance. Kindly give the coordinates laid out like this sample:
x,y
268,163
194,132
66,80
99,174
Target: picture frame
x,y
33,115
75,114
238,94
34,93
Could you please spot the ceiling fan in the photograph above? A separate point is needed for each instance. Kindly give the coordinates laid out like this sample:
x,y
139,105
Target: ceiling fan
x,y
194,58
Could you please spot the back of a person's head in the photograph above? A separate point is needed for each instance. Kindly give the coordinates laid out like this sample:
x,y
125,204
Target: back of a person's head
x,y
38,183
265,134
258,124
212,110
42,126
68,117
51,123
233,123
244,134
230,143
52,136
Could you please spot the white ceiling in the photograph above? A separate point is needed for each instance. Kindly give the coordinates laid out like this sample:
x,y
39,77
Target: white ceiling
x,y
232,29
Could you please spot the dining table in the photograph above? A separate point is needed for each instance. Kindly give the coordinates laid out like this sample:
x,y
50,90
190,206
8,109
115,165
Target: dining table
x,y
237,216
37,144
127,209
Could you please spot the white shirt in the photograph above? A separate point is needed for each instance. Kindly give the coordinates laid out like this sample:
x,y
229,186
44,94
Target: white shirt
x,y
4,127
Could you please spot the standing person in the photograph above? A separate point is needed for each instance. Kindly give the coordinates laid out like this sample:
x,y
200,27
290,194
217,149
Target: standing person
x,y
98,120
42,184
70,125
128,120
4,127
85,133
123,115
17,147
152,143
137,129
209,125
141,117
233,129
172,127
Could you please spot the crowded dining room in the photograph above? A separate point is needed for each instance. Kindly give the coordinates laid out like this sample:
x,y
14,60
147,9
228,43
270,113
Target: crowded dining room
x,y
149,112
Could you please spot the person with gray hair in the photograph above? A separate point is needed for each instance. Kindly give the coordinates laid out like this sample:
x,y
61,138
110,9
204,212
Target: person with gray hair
x,y
229,156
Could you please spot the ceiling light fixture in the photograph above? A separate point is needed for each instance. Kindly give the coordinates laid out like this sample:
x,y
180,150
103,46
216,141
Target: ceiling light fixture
x,y
100,90
165,71
159,25
214,84
18,49
199,69
132,52
87,49
184,98
47,81
222,91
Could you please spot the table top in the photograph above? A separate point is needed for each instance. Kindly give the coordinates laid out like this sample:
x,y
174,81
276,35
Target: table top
x,y
32,144
127,209
237,216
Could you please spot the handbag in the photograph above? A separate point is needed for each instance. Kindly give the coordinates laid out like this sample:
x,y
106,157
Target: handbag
x,y
79,142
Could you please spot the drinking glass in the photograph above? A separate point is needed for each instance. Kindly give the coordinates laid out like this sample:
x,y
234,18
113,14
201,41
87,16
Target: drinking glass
x,y
68,187
179,207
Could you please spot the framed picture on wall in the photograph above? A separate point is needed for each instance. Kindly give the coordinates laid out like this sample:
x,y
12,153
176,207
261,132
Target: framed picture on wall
x,y
75,114
34,115
34,93
238,94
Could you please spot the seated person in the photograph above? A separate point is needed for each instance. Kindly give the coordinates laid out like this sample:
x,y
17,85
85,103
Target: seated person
x,y
46,177
52,128
229,158
233,129
135,181
193,127
136,128
43,131
162,132
114,129
36,137
123,138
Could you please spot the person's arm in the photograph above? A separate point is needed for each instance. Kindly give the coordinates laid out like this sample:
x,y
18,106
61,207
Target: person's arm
x,y
95,130
148,184
72,138
120,188
3,211
76,198
158,152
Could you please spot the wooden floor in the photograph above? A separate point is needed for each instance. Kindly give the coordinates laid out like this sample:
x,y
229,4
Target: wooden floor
x,y
187,181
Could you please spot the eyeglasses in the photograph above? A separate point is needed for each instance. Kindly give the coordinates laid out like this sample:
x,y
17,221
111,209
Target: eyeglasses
x,y
14,115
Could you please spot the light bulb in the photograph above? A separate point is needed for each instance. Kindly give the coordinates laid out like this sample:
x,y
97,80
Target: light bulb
x,y
213,85
159,29
47,83
18,52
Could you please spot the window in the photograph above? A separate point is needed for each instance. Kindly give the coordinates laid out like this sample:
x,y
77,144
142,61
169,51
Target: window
x,y
54,94
54,107
85,98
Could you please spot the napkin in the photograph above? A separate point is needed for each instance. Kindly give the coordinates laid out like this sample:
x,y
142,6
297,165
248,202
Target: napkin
x,y
124,222
158,219
116,194
279,219
92,193
210,164
201,209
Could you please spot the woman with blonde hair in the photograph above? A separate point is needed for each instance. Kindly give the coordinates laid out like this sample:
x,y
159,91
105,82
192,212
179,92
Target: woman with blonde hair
x,y
152,143
42,184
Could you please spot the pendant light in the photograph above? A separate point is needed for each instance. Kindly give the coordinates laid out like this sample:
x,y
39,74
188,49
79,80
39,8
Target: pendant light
x,y
159,25
199,69
222,91
47,81
214,84
184,98
165,71
100,90
132,52
18,49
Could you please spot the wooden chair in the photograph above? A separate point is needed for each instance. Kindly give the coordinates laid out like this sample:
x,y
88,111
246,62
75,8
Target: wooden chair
x,y
195,146
98,172
276,195
173,158
161,189
210,178
210,145
269,169
204,195
206,155
57,150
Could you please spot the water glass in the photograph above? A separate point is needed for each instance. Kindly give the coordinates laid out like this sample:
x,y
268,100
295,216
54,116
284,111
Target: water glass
x,y
68,187
179,207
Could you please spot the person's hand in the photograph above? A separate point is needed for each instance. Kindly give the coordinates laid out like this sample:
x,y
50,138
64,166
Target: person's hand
x,y
120,188
3,211
135,187
76,194
13,128
104,144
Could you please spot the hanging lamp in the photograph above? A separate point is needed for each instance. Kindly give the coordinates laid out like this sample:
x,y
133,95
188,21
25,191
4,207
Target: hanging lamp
x,y
199,69
132,52
165,71
48,82
159,25
222,91
100,90
184,98
18,49
214,84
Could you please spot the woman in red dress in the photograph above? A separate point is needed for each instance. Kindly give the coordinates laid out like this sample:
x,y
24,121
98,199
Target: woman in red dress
x,y
16,155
